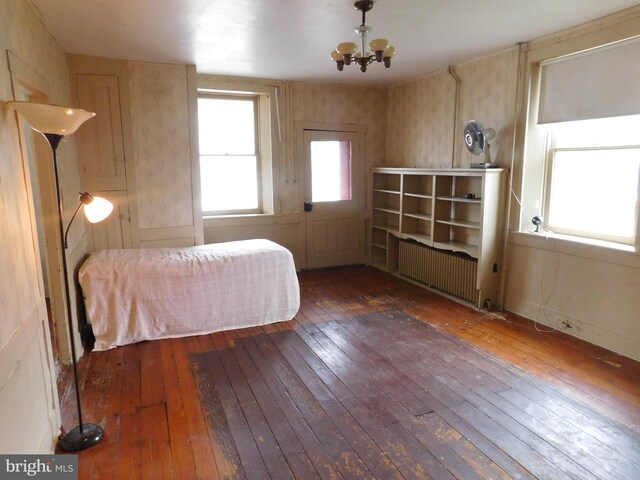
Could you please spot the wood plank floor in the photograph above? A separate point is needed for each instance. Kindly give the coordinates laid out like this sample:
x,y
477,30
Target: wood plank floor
x,y
333,396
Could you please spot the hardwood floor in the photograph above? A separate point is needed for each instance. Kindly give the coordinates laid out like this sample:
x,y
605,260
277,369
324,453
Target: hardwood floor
x,y
467,424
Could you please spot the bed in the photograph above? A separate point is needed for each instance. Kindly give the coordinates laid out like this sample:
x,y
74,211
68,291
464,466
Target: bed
x,y
133,295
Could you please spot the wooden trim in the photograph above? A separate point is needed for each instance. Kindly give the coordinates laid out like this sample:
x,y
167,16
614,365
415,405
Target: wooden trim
x,y
330,127
153,234
26,75
575,247
618,26
192,95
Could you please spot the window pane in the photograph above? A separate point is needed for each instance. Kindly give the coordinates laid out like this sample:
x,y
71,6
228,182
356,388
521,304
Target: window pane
x,y
595,191
226,126
330,171
602,132
229,183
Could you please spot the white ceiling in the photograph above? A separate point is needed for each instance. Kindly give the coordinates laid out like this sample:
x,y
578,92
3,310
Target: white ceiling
x,y
292,39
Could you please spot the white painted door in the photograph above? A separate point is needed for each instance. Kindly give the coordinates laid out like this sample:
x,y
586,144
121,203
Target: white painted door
x,y
334,198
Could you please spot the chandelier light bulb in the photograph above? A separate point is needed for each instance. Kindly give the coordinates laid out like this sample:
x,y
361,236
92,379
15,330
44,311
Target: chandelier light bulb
x,y
338,58
388,53
347,48
379,44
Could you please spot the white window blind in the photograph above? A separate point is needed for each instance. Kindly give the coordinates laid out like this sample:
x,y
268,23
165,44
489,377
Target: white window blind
x,y
599,83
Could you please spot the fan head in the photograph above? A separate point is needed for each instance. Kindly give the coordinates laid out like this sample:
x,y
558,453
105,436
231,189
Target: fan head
x,y
476,137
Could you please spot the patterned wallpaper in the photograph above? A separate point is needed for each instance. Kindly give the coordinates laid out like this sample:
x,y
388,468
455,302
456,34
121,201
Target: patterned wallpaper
x,y
420,117
332,103
421,113
160,113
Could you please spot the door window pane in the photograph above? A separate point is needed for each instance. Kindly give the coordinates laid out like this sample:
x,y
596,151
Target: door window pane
x,y
330,171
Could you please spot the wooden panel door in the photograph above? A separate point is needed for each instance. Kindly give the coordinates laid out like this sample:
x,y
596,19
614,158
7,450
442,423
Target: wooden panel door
x,y
100,146
334,198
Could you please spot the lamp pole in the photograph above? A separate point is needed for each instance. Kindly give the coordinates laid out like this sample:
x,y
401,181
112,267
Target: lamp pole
x,y
83,435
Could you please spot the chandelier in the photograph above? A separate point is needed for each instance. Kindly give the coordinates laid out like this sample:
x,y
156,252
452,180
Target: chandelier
x,y
347,53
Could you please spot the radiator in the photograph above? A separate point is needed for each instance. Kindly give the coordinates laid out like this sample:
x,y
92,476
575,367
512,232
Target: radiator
x,y
452,273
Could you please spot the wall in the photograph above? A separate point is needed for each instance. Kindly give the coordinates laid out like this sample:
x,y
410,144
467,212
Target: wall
x,y
421,113
28,399
548,280
303,104
586,290
595,291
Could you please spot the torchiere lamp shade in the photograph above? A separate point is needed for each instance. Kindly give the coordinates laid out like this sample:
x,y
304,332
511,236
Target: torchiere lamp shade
x,y
52,119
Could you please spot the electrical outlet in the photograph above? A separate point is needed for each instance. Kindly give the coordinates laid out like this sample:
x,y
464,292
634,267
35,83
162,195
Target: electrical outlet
x,y
564,322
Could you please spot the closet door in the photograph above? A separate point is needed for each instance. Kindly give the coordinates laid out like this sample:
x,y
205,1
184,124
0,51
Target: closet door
x,y
100,146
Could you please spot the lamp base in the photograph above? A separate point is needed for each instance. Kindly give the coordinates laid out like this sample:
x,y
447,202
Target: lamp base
x,y
75,439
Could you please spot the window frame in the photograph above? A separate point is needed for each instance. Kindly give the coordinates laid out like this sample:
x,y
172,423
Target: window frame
x,y
269,134
257,151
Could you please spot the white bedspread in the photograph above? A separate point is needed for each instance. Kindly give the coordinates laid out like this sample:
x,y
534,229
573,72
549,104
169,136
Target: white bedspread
x,y
145,294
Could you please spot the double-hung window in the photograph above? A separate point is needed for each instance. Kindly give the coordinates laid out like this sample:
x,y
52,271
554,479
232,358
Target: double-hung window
x,y
582,171
229,154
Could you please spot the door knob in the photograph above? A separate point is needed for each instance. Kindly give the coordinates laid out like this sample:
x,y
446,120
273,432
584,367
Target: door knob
x,y
308,206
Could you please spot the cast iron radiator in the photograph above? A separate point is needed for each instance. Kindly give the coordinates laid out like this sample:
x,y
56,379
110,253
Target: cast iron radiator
x,y
453,273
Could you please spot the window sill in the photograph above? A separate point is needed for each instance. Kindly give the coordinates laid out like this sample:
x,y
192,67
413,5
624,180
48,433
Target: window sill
x,y
577,246
249,219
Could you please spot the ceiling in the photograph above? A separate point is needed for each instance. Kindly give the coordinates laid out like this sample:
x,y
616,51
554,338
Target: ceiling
x,y
292,39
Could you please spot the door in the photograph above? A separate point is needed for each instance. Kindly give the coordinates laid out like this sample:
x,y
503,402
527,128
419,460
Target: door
x,y
100,143
334,198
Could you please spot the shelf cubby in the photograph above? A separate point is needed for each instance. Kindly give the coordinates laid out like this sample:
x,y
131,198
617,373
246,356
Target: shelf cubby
x,y
452,210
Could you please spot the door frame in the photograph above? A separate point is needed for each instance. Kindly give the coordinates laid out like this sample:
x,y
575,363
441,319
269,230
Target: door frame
x,y
300,128
25,78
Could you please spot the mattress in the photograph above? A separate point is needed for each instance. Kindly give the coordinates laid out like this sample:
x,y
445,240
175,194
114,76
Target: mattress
x,y
133,295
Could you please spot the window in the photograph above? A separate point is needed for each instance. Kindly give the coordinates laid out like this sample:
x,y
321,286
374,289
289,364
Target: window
x,y
582,152
239,130
229,154
592,178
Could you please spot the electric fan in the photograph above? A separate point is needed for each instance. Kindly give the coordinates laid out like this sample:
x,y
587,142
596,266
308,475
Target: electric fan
x,y
476,138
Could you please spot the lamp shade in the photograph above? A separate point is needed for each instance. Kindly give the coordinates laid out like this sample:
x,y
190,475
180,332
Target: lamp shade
x,y
97,209
389,52
379,44
52,119
347,48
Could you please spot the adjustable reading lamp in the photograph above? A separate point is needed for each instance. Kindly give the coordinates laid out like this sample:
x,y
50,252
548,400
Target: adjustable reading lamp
x,y
54,122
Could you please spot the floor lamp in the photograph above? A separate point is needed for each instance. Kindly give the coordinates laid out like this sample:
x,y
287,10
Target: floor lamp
x,y
54,122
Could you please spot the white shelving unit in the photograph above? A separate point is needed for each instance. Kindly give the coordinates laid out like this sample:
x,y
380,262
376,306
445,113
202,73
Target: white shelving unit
x,y
455,211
